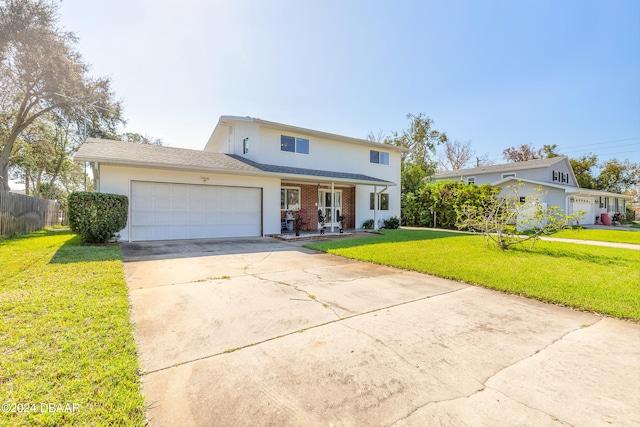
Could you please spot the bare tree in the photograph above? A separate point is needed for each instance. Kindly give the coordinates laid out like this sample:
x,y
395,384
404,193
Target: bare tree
x,y
522,153
455,155
379,136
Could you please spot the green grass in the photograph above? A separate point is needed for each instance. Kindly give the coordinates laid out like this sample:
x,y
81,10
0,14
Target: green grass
x,y
65,334
598,279
616,236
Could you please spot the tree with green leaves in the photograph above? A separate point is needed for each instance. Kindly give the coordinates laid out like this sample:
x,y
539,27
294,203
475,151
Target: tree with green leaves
x,y
42,74
42,158
583,168
141,139
420,141
618,176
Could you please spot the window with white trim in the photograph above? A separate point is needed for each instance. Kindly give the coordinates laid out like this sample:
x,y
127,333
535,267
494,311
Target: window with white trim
x,y
508,175
289,198
293,144
380,157
383,201
471,180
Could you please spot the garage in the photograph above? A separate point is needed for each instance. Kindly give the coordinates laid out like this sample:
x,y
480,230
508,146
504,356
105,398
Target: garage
x,y
168,211
585,205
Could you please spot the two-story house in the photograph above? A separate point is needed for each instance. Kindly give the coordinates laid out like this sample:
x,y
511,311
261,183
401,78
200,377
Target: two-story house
x,y
251,173
557,180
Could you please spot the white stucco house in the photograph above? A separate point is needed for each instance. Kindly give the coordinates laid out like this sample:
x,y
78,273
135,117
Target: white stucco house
x,y
557,180
251,173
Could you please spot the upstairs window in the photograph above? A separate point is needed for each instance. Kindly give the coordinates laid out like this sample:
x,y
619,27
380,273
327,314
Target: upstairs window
x,y
379,157
508,175
294,145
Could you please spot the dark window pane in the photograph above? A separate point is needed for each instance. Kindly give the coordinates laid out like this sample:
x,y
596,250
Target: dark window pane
x,y
302,145
371,201
282,199
287,143
374,156
384,202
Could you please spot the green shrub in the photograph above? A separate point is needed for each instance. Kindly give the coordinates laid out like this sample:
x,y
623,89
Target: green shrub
x,y
368,224
391,223
96,217
436,204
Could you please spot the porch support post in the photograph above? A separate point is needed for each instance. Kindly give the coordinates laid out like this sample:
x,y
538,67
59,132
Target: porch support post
x,y
333,205
375,207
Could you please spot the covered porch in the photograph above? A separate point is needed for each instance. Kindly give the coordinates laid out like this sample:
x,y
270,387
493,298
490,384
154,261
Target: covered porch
x,y
325,206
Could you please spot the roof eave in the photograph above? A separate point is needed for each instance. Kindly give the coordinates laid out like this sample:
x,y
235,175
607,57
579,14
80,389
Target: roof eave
x,y
188,168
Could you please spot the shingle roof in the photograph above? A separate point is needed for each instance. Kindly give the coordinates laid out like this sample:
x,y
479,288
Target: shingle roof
x,y
133,154
531,164
130,153
288,170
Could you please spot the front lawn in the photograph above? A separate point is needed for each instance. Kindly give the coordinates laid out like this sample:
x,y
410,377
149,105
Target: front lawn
x,y
598,279
65,335
617,236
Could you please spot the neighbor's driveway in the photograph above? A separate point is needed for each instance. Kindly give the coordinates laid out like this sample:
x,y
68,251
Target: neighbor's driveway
x,y
260,332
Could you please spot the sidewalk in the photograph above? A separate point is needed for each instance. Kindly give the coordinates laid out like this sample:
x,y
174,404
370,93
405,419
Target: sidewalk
x,y
631,246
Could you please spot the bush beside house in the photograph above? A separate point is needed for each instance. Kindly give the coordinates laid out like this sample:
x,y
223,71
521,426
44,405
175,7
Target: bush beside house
x,y
96,217
435,204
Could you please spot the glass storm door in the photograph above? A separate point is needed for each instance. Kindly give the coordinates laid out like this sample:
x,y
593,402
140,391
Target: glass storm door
x,y
325,204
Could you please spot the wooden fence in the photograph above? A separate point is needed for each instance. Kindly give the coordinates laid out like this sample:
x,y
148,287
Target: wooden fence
x,y
23,214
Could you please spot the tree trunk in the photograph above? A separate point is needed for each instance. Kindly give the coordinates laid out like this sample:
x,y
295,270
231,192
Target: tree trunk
x,y
27,175
4,172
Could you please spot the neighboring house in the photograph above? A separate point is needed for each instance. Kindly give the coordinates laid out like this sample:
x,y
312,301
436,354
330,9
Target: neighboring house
x,y
558,182
251,173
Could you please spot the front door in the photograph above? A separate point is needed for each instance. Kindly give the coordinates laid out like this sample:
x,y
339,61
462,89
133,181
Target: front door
x,y
326,205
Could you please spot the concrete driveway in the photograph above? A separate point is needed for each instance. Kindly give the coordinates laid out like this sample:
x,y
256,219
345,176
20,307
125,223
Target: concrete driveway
x,y
261,332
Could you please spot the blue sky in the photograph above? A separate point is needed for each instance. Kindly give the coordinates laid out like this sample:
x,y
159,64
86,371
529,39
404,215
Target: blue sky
x,y
496,73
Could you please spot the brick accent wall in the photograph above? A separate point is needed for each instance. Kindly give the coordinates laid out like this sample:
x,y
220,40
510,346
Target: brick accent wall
x,y
309,201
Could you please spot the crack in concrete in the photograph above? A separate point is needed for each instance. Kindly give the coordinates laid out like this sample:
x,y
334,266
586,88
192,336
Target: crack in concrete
x,y
484,383
309,296
378,340
340,319
436,402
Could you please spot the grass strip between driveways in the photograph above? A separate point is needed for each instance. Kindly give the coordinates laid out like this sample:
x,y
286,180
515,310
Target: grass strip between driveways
x,y
616,236
67,354
599,279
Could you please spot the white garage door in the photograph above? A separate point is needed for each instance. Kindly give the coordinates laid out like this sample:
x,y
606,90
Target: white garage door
x,y
587,207
165,211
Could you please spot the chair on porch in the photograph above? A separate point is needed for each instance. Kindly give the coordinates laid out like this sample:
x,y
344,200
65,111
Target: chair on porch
x,y
304,218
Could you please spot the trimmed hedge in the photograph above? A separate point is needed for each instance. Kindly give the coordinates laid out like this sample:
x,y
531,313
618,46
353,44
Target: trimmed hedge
x,y
96,217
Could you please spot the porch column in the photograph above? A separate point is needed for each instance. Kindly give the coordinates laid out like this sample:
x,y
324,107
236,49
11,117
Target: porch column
x,y
333,205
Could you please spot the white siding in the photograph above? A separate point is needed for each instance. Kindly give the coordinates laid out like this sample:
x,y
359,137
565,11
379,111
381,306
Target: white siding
x,y
117,179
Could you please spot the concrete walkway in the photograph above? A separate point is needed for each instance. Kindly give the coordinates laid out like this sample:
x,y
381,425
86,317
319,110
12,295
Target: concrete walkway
x,y
260,332
631,246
